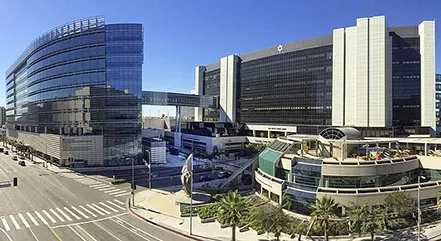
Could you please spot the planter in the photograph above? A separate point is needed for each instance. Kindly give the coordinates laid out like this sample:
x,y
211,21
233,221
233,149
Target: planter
x,y
207,220
187,215
244,229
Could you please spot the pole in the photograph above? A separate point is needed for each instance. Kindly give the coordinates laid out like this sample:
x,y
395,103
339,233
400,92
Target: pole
x,y
150,169
191,198
419,208
133,182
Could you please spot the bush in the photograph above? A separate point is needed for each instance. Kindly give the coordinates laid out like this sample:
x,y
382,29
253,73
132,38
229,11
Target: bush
x,y
214,191
208,211
118,181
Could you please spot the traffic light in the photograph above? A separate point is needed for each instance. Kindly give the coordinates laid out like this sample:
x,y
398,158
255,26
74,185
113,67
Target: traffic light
x,y
15,181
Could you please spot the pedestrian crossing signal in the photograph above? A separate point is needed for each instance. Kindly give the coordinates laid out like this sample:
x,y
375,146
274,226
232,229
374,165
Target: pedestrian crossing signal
x,y
15,181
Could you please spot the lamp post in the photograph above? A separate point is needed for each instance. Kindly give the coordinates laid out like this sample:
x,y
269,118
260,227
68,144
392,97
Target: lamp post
x,y
419,205
149,164
133,181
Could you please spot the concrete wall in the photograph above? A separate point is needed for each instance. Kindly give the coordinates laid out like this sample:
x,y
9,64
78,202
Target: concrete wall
x,y
199,90
211,142
228,66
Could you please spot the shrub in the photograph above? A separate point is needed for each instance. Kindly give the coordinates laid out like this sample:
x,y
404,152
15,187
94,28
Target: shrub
x,y
118,181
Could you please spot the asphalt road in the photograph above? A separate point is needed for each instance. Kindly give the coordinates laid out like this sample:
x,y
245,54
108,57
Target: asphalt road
x,y
46,206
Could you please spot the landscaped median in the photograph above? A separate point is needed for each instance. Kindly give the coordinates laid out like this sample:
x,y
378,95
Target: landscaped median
x,y
118,181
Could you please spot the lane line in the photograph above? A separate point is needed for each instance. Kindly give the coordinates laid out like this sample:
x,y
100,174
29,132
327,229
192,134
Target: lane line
x,y
122,194
49,216
88,234
111,234
134,230
116,205
75,232
7,235
94,209
105,189
89,212
113,190
54,233
41,218
91,221
32,219
5,224
23,220
71,213
33,234
57,215
64,214
118,201
14,222
109,207
100,208
78,211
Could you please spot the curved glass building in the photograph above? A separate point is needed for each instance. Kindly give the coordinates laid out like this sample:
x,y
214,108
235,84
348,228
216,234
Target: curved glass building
x,y
74,93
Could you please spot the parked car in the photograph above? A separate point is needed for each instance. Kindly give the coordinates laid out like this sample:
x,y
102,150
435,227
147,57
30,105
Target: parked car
x,y
223,175
22,163
21,157
14,158
6,152
206,178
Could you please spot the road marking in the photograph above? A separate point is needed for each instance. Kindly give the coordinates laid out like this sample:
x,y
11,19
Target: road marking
x,y
100,208
96,210
64,214
101,186
118,201
57,215
122,194
105,189
111,234
32,219
5,224
119,191
88,234
7,235
24,220
73,230
98,185
91,221
133,229
33,234
71,213
89,212
116,205
49,216
113,190
41,218
54,233
14,222
109,207
78,211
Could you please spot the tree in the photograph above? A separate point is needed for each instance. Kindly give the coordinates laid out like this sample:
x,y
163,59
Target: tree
x,y
232,207
356,215
401,209
322,212
273,220
373,221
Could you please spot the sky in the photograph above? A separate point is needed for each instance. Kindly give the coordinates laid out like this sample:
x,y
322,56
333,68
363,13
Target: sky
x,y
180,35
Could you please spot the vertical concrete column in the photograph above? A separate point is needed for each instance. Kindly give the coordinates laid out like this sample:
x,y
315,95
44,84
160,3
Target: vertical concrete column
x,y
228,69
269,134
254,133
425,149
199,90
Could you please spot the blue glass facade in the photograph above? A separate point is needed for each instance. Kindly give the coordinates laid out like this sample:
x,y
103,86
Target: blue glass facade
x,y
82,78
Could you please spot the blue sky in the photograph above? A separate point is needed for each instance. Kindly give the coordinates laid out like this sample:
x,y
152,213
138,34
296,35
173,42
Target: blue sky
x,y
180,35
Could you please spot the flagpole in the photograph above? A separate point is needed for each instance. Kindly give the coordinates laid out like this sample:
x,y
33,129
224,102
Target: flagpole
x,y
191,198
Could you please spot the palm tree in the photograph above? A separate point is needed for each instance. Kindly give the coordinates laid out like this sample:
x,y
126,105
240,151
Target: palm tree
x,y
356,215
232,208
322,212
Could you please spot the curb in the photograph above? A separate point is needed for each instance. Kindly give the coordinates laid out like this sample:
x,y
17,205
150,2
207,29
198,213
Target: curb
x,y
159,225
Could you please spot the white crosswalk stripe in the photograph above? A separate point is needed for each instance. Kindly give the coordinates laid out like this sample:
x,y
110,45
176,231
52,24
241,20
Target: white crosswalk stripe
x,y
86,210
64,214
100,208
78,211
105,189
98,185
118,201
23,220
112,190
116,205
49,216
109,207
5,223
117,191
122,194
94,209
32,219
14,222
71,213
41,218
56,215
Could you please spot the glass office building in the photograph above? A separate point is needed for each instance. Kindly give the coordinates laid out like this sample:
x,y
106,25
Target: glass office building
x,y
78,87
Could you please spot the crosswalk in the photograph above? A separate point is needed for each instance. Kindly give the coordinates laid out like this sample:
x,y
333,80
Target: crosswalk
x,y
61,215
97,185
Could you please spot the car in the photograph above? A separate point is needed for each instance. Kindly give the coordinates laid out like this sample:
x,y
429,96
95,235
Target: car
x,y
223,175
206,178
6,152
21,157
22,163
14,158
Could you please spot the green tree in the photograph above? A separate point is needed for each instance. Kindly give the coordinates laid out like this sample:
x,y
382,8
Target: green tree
x,y
373,222
401,209
273,220
439,200
356,215
232,207
323,211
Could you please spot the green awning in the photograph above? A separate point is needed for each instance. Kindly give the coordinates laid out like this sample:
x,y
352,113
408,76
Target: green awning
x,y
267,159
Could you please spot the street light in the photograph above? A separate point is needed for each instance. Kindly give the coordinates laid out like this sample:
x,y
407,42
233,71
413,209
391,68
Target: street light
x,y
150,169
419,205
133,181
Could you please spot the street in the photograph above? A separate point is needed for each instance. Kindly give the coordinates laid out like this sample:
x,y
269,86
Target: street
x,y
66,206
